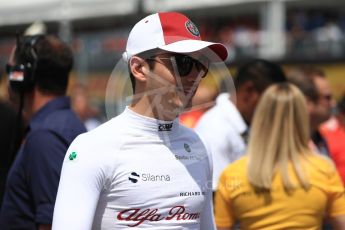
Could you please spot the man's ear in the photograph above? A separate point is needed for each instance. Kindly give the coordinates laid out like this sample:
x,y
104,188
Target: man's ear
x,y
139,68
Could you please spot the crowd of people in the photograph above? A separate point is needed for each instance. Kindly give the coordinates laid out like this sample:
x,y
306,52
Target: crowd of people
x,y
268,155
307,32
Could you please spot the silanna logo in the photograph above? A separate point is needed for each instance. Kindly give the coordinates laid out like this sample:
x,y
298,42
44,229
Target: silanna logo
x,y
165,127
134,177
148,177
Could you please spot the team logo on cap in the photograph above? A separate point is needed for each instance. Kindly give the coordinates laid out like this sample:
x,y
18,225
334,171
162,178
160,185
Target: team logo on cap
x,y
192,28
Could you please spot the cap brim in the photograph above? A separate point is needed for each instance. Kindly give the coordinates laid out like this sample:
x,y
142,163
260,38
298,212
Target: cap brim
x,y
189,46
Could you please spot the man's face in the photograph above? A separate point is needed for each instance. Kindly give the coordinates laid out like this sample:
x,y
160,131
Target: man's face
x,y
320,111
247,97
173,81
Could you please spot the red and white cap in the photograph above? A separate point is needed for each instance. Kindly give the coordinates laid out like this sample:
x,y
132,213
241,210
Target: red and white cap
x,y
169,31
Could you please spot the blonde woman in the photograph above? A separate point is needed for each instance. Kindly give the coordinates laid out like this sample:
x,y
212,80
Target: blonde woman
x,y
280,183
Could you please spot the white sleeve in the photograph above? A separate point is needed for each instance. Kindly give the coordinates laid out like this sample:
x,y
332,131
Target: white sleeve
x,y
82,180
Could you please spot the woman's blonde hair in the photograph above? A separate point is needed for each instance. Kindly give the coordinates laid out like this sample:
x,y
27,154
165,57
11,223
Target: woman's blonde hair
x,y
279,135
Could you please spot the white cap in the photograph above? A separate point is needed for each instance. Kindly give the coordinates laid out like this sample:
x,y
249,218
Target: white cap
x,y
170,31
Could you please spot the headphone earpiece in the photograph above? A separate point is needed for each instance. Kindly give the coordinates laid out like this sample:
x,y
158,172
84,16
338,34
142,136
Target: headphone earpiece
x,y
22,75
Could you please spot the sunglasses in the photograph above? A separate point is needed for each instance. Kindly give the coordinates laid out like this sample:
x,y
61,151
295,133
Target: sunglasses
x,y
186,63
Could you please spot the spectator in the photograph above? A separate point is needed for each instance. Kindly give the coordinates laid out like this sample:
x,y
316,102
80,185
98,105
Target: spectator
x,y
231,121
334,133
10,135
11,130
315,87
39,72
81,106
280,183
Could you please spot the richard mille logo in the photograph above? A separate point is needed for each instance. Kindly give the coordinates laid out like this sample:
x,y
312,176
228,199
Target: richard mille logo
x,y
147,177
193,193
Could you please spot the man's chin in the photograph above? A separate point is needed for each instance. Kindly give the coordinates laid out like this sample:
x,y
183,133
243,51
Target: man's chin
x,y
178,106
188,106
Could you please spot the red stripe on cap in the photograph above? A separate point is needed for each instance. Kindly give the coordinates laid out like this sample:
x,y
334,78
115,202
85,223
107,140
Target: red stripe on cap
x,y
174,27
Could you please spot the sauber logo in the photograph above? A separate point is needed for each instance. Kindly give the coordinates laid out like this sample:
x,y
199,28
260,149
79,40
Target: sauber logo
x,y
139,216
165,127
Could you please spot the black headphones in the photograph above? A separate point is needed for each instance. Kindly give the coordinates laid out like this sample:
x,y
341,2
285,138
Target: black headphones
x,y
21,76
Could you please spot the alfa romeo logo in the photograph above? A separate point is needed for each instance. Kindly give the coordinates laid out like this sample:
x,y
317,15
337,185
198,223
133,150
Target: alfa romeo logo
x,y
192,28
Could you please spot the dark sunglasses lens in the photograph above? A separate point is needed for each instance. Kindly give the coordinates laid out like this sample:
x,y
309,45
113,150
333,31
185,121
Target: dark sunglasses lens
x,y
184,64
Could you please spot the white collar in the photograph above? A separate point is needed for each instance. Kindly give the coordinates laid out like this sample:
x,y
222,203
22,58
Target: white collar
x,y
231,113
151,125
